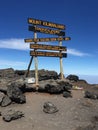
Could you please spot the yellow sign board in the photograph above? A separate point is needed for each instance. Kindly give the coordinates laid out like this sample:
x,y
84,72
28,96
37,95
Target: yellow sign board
x,y
47,47
46,30
46,23
47,39
48,54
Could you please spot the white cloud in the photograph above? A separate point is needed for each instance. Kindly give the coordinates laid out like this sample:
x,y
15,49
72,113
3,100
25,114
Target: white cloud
x,y
76,52
11,63
18,44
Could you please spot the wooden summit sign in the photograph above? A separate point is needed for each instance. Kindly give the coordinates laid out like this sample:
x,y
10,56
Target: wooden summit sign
x,y
47,47
56,51
46,23
46,30
48,54
47,39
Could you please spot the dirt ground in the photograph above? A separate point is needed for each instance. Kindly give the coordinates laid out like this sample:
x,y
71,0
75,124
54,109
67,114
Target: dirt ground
x,y
74,113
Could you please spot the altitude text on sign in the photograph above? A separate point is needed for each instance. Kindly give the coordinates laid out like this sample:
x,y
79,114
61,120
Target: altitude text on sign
x,y
48,54
47,47
47,39
46,23
46,30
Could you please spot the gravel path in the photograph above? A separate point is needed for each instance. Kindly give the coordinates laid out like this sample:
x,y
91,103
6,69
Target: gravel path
x,y
73,112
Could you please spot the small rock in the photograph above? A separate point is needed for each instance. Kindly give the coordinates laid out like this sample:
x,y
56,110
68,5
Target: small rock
x,y
90,95
10,115
67,94
49,108
1,97
6,101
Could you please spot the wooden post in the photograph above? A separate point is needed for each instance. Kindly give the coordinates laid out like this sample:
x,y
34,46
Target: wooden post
x,y
29,66
36,64
61,64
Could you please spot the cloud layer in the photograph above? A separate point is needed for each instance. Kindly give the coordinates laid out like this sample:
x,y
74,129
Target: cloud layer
x,y
13,64
76,52
19,44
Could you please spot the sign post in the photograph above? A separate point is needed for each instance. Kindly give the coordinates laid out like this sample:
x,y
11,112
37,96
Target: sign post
x,y
61,64
36,63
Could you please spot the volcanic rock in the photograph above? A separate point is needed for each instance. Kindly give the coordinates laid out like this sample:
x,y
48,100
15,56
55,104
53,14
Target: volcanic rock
x,y
54,86
10,115
20,72
9,73
3,85
66,94
44,74
15,94
66,86
6,101
91,95
23,86
1,97
73,78
49,108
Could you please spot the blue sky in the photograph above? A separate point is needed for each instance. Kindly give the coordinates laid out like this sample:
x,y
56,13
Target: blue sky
x,y
80,18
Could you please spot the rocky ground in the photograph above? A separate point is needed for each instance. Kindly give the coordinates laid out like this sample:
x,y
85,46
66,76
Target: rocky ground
x,y
72,109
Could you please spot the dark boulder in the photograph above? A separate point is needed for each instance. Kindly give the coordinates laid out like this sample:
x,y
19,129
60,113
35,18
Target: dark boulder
x,y
1,97
28,88
23,86
6,101
67,94
44,74
91,95
10,115
15,94
49,108
19,83
20,72
3,85
74,78
54,86
7,73
66,86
